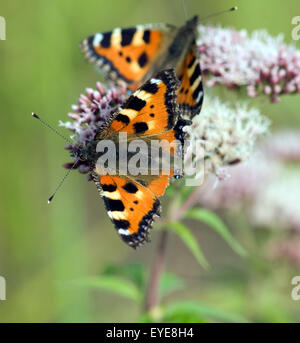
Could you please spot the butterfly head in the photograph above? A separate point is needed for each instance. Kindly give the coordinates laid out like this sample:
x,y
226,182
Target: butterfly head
x,y
192,23
86,152
81,153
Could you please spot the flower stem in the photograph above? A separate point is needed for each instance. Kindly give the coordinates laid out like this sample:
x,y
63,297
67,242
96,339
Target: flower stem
x,y
152,296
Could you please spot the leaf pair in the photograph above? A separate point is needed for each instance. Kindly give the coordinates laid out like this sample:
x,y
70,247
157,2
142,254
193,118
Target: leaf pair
x,y
189,239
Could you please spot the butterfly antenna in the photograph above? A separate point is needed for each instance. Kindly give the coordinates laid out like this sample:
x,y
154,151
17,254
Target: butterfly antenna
x,y
235,8
65,139
51,128
184,9
62,181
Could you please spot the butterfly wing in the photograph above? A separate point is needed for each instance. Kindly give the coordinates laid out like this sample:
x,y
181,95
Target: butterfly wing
x,y
150,113
190,92
132,55
128,55
131,205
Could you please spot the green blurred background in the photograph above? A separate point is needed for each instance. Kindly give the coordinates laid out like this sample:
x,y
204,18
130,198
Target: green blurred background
x,y
42,246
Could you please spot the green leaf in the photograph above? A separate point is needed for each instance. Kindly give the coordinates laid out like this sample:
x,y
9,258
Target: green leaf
x,y
183,312
188,311
113,284
146,318
185,193
175,189
169,283
210,218
190,241
133,271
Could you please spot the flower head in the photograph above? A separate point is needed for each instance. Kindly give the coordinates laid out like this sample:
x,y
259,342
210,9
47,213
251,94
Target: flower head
x,y
241,187
91,112
227,134
261,63
277,204
287,250
268,190
283,146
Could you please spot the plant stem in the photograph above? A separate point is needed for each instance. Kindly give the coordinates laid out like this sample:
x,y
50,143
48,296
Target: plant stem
x,y
152,296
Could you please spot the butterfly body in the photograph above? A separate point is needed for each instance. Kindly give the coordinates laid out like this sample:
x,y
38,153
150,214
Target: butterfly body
x,y
184,38
133,55
150,114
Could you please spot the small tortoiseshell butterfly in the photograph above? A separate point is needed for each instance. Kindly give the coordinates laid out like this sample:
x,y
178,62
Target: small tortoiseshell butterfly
x,y
133,55
150,113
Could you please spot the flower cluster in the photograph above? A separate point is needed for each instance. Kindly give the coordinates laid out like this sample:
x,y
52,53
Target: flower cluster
x,y
91,112
277,205
261,63
283,146
287,250
267,188
227,134
241,187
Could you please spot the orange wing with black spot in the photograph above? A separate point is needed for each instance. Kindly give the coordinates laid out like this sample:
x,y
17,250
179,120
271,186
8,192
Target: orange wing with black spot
x,y
152,109
131,205
151,113
132,55
129,54
190,92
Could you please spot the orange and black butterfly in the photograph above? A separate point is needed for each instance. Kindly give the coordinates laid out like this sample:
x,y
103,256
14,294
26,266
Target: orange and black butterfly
x,y
150,113
133,55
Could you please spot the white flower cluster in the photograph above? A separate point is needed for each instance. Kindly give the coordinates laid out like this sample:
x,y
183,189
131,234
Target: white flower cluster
x,y
227,134
262,63
284,145
265,186
245,181
277,204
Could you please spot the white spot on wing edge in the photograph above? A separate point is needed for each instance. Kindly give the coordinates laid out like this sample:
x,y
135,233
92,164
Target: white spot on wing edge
x,y
128,112
199,96
123,232
116,37
118,215
144,95
98,39
138,37
156,81
113,195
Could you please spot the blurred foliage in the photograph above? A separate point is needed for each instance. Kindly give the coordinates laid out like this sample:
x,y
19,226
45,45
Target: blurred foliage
x,y
216,223
51,255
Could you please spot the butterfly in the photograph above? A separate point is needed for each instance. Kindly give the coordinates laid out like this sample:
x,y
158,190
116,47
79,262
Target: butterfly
x,y
132,55
150,113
